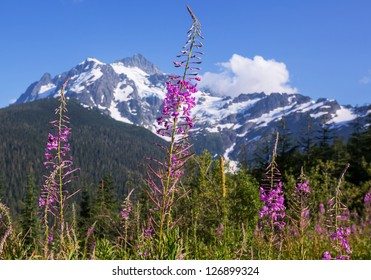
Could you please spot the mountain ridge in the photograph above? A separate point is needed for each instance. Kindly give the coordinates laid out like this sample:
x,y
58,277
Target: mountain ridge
x,y
132,90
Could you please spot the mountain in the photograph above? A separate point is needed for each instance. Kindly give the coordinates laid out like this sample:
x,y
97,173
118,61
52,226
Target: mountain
x,y
131,90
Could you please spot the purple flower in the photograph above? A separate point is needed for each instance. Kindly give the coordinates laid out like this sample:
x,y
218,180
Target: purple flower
x,y
177,107
46,201
341,235
326,256
367,198
330,202
41,201
304,187
319,228
147,233
305,214
273,210
125,213
343,257
322,209
90,230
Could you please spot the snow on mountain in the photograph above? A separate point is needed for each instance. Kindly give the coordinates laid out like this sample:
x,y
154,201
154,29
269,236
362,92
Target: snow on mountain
x,y
131,90
343,115
144,86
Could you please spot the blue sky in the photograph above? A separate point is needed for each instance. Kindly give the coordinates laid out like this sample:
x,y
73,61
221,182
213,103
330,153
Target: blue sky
x,y
317,48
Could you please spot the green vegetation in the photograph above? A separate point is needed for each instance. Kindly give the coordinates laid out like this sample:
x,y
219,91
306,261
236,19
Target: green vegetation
x,y
100,146
210,225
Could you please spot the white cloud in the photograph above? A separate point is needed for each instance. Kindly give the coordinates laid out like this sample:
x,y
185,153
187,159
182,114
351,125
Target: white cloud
x,y
11,101
244,75
366,79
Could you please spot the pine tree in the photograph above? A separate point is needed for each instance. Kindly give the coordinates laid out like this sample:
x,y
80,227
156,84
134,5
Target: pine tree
x,y
29,218
307,140
359,150
105,209
286,149
85,211
324,145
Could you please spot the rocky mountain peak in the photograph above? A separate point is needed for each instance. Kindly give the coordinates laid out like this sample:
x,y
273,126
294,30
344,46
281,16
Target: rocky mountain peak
x,y
138,60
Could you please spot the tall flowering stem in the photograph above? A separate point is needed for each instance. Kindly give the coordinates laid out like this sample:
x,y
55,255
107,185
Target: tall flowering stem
x,y
58,163
174,124
338,223
126,215
271,215
300,212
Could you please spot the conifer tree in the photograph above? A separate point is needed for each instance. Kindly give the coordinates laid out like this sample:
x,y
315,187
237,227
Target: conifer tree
x,y
85,211
105,209
307,140
324,144
29,218
286,149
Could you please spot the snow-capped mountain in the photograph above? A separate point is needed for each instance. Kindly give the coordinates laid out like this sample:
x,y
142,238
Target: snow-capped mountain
x,y
129,90
132,89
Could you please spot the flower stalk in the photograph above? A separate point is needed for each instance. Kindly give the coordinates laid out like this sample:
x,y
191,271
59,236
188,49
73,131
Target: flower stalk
x,y
59,164
338,222
300,212
271,215
174,124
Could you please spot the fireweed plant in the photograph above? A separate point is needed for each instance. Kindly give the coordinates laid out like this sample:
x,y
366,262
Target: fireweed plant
x,y
338,223
271,216
58,163
174,124
125,219
300,211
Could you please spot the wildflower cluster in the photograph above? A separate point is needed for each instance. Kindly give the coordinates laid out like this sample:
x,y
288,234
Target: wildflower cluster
x,y
367,199
341,238
299,205
321,219
273,210
58,162
178,103
146,243
176,121
302,188
125,212
126,208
